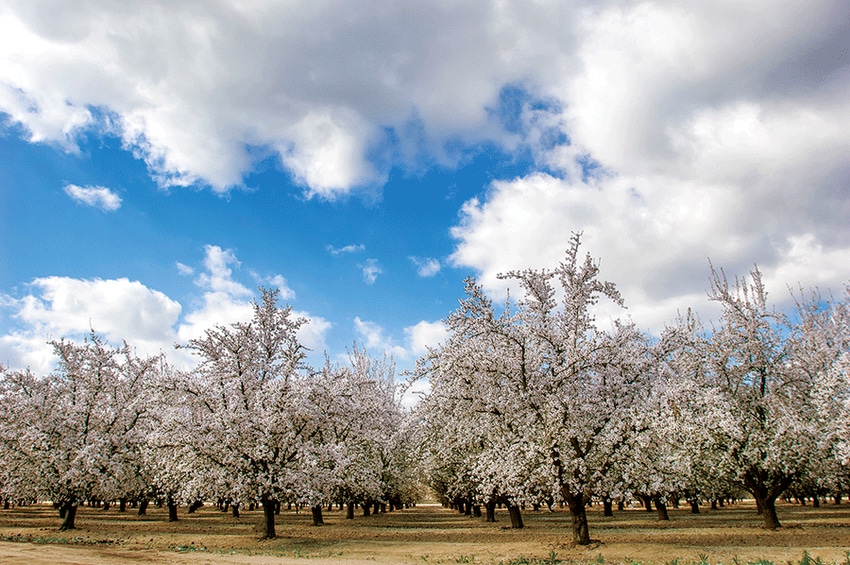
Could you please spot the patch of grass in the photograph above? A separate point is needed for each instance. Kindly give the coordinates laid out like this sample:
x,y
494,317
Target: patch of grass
x,y
188,548
29,538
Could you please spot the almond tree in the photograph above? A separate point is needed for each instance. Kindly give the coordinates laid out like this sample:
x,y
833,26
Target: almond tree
x,y
571,388
245,404
81,427
763,412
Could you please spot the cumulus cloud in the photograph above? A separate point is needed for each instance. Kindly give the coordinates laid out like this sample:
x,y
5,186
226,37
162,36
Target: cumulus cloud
x,y
346,249
673,132
371,270
423,335
417,338
654,238
184,270
120,309
94,196
59,307
426,266
191,87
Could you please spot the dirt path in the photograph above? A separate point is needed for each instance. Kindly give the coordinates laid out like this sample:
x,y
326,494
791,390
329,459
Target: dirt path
x,y
423,535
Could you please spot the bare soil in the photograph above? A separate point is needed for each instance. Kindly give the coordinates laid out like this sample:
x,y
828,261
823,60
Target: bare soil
x,y
425,534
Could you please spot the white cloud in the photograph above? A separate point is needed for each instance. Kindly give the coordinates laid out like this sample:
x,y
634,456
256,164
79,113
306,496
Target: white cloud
x,y
120,309
417,338
371,270
326,152
654,238
219,275
426,266
59,307
95,196
721,129
372,336
347,249
424,335
184,270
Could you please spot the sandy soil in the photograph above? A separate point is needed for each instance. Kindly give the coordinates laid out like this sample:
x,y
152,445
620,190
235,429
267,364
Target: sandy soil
x,y
426,534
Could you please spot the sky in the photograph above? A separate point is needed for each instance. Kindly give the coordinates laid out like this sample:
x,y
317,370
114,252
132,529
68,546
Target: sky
x,y
160,161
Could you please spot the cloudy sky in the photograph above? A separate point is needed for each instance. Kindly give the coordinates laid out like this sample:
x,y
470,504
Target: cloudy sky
x,y
160,160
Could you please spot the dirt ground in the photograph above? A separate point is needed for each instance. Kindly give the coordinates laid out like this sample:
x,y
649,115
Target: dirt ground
x,y
427,534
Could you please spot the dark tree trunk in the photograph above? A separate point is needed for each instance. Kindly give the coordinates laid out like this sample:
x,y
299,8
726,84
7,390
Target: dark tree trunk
x,y
647,501
714,505
467,507
768,514
476,510
269,507
766,496
317,515
366,511
349,511
607,507
70,516
490,510
661,508
836,498
675,501
6,504
234,509
172,510
106,506
143,507
694,506
815,501
516,516
581,532
122,505
621,505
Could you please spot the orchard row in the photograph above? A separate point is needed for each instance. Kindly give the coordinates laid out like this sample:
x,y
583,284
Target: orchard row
x,y
534,402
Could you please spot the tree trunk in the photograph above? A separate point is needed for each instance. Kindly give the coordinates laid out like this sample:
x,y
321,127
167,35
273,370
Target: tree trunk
x,y
234,509
490,510
771,520
317,515
516,516
122,505
143,507
694,506
476,510
581,532
366,509
269,507
621,505
815,501
106,506
172,510
349,511
661,508
607,507
70,516
647,501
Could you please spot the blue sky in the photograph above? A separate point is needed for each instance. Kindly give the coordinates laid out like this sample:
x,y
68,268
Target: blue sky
x,y
160,162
